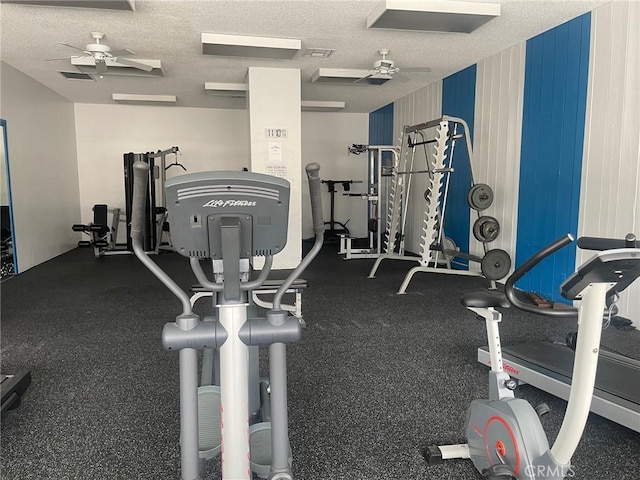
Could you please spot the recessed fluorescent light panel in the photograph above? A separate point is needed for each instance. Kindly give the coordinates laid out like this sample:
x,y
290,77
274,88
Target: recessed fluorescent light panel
x,y
249,46
237,90
88,65
432,15
134,99
95,4
346,76
321,106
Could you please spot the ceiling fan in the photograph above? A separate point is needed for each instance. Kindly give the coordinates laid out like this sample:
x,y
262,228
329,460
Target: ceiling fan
x,y
102,53
385,69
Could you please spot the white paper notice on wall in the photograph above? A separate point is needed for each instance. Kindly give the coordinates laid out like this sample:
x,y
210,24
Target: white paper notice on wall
x,y
275,153
277,170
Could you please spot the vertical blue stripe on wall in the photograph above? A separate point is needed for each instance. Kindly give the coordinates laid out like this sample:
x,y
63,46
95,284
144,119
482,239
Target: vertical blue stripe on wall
x,y
555,92
458,100
381,126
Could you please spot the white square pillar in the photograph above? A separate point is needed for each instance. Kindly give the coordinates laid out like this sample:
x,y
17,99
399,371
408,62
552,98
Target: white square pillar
x,y
273,102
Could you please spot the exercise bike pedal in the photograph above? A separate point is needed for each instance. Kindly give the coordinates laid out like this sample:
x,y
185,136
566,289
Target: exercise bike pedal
x,y
498,472
433,455
542,409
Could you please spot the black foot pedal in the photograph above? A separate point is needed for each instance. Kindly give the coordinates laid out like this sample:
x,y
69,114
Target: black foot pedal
x,y
498,472
432,455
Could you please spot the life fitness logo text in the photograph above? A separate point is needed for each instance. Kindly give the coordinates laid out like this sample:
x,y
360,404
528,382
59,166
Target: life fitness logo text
x,y
229,203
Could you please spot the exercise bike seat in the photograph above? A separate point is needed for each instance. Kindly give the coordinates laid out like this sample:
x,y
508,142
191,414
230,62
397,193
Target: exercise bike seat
x,y
485,299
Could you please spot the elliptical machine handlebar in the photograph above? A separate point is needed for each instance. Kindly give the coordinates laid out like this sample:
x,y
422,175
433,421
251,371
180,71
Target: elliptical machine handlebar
x,y
140,176
523,269
140,179
313,176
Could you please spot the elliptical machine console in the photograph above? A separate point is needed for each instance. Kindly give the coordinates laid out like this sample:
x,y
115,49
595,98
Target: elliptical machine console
x,y
505,438
228,218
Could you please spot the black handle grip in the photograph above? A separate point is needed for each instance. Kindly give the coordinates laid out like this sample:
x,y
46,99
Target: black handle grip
x,y
138,204
523,269
313,174
597,243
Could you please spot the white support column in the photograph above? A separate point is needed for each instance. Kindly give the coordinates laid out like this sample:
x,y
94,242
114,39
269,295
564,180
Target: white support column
x,y
274,103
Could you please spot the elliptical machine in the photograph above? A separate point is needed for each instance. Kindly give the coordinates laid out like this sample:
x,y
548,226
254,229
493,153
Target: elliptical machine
x,y
228,218
505,439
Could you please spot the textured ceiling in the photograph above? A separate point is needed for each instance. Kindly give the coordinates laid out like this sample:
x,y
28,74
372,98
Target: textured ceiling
x,y
169,30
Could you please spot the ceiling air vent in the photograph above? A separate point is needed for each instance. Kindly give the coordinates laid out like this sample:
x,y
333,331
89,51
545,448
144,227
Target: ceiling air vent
x,y
77,76
318,52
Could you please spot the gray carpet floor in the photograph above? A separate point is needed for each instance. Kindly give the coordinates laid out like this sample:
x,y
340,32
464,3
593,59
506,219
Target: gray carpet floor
x,y
375,378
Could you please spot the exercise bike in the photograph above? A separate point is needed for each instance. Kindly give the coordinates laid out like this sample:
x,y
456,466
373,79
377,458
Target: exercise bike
x,y
227,218
505,438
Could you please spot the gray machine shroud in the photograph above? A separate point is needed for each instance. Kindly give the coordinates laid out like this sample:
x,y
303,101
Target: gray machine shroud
x,y
198,202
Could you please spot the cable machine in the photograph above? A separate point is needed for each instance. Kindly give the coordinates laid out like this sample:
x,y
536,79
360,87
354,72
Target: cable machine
x,y
381,159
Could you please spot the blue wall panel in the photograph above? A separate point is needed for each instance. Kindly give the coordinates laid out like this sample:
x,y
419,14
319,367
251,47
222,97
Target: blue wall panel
x,y
458,100
381,126
555,89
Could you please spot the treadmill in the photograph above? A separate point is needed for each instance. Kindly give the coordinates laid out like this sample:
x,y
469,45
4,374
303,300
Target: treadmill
x,y
547,365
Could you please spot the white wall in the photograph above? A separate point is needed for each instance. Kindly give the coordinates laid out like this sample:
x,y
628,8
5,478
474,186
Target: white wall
x,y
44,173
610,194
209,139
325,139
496,149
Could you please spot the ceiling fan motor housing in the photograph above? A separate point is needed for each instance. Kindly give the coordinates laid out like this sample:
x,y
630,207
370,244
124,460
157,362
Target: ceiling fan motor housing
x,y
384,66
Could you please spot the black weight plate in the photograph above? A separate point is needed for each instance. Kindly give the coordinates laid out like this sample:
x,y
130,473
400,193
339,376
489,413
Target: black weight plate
x,y
373,225
448,244
480,196
495,264
486,229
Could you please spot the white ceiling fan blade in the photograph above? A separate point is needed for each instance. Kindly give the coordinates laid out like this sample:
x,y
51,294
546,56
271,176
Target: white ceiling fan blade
x,y
401,78
134,63
369,75
73,46
101,67
125,52
62,58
